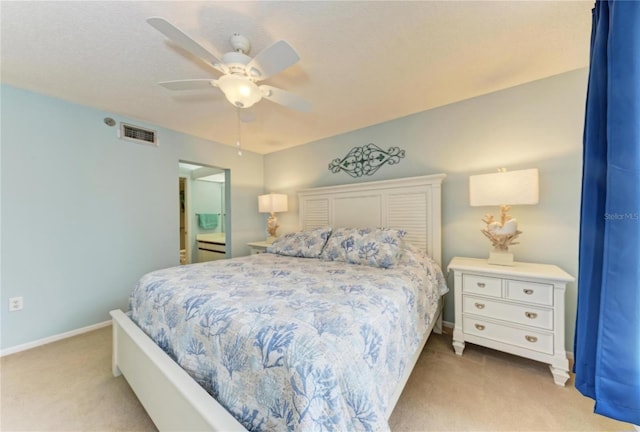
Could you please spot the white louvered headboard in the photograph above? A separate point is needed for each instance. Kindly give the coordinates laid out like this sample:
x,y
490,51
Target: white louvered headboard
x,y
412,204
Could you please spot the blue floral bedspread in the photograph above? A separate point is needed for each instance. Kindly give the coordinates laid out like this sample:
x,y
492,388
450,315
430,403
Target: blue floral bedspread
x,y
289,343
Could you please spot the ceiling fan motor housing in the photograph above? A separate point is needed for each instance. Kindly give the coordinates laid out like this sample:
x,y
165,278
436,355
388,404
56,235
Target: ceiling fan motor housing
x,y
236,61
240,43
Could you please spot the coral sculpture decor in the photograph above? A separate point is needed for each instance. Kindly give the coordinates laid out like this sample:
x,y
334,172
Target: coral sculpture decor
x,y
501,233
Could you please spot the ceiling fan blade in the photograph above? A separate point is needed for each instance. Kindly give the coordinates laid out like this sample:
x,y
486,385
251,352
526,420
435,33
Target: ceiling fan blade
x,y
189,84
285,98
272,60
181,39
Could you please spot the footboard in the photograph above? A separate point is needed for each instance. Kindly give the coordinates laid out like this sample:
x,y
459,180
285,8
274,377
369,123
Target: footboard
x,y
173,400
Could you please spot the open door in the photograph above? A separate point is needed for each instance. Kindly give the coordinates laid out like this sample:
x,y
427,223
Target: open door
x,y
183,202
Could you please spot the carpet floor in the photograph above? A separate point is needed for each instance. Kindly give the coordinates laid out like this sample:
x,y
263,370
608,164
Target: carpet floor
x,y
68,386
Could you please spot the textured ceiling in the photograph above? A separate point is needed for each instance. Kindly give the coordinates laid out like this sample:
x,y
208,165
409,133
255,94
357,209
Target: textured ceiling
x,y
361,63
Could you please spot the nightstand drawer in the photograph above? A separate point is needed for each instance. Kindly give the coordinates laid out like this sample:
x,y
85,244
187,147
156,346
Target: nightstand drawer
x,y
531,340
531,292
482,285
521,314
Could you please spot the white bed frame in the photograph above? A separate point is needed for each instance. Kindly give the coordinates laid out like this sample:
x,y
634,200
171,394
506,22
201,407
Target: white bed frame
x,y
174,401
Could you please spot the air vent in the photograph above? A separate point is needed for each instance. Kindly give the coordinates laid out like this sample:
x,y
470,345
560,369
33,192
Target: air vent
x,y
138,134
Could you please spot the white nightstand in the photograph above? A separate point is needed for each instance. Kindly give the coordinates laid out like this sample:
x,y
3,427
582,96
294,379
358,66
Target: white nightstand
x,y
518,309
258,247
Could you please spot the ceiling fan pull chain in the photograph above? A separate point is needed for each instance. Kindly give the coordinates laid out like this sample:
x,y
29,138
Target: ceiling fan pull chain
x,y
238,141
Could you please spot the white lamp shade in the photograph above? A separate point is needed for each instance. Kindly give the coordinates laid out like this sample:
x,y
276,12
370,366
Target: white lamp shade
x,y
240,91
504,188
272,203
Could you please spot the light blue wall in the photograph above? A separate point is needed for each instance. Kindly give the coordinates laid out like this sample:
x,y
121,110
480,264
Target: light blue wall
x,y
536,125
85,214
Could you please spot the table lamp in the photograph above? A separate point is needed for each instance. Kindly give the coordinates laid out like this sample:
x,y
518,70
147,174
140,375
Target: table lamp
x,y
504,188
272,204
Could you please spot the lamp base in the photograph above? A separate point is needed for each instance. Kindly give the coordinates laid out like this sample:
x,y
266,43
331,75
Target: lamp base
x,y
270,239
272,226
501,258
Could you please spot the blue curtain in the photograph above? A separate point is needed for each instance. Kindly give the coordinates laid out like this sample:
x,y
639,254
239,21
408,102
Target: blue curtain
x,y
607,340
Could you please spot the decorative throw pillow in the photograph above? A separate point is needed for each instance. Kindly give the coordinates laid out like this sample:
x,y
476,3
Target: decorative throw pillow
x,y
376,247
303,244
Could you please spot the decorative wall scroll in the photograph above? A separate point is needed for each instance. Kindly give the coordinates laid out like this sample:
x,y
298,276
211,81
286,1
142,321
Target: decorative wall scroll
x,y
366,160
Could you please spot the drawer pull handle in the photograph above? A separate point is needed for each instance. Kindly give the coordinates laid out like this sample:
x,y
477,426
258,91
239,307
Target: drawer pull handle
x,y
528,291
531,339
482,284
479,305
480,327
531,315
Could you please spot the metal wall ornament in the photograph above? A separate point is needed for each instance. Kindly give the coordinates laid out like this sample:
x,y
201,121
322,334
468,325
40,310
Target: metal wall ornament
x,y
366,160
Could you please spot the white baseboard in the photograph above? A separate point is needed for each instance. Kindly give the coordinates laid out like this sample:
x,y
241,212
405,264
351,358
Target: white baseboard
x,y
54,338
450,325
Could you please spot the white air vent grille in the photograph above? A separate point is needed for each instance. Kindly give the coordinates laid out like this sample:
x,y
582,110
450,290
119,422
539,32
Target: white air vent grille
x,y
138,134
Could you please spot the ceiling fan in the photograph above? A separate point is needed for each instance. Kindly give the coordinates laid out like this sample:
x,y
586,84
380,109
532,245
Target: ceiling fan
x,y
240,72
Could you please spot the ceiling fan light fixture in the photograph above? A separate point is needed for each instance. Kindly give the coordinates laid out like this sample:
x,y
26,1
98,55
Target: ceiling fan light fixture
x,y
240,72
239,90
244,90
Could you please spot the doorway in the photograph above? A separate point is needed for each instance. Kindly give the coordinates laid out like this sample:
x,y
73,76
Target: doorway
x,y
203,204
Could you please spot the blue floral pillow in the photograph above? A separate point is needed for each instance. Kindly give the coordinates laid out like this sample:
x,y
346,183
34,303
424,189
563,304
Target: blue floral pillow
x,y
376,247
304,244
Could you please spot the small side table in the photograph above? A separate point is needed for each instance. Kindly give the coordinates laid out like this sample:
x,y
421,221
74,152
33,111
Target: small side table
x,y
517,309
258,247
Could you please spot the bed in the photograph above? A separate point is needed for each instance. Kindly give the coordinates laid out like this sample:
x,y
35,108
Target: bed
x,y
329,339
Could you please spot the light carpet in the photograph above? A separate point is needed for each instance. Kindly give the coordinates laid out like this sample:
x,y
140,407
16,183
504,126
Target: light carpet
x,y
68,386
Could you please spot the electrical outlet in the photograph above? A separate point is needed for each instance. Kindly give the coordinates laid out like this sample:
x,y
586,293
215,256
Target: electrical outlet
x,y
16,304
